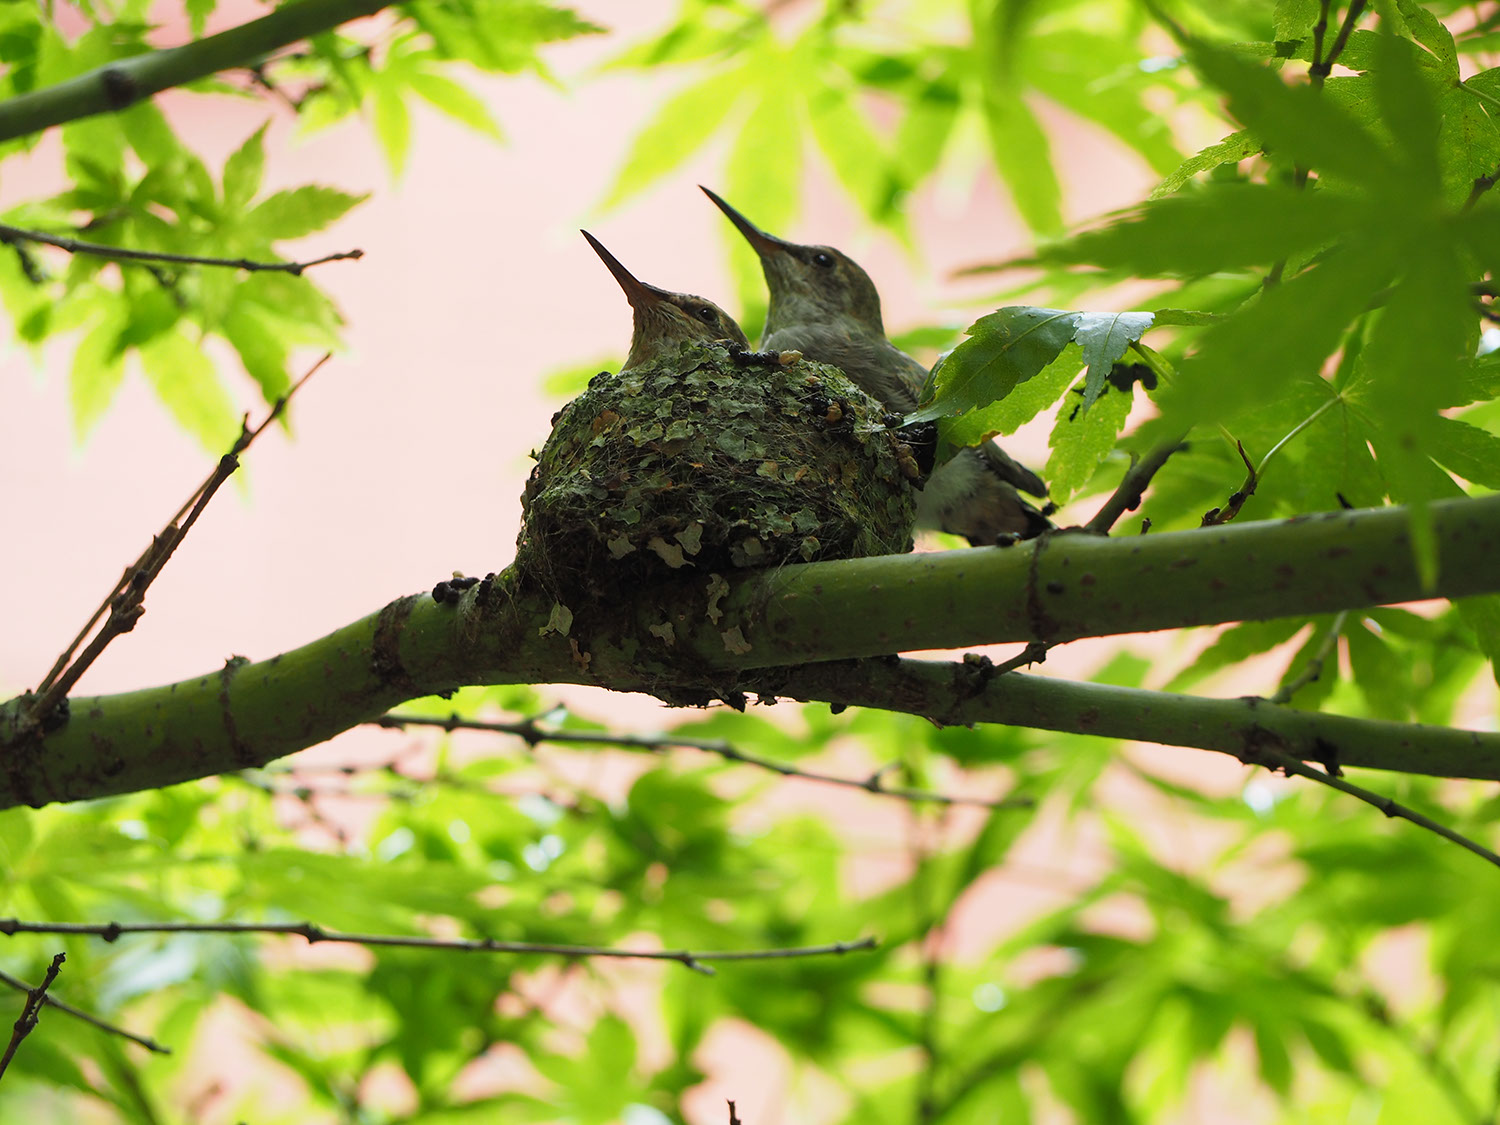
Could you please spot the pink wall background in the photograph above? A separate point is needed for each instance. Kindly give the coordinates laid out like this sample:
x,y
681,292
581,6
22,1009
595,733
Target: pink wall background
x,y
410,447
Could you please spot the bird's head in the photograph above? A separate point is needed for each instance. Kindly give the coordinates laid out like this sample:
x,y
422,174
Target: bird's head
x,y
664,320
808,283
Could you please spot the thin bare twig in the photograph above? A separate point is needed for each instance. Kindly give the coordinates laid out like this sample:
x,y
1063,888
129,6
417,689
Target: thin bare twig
x,y
1127,497
1320,29
692,959
1321,70
1314,667
12,235
1236,501
930,936
1035,652
29,1014
530,732
87,1017
1479,187
1276,759
126,600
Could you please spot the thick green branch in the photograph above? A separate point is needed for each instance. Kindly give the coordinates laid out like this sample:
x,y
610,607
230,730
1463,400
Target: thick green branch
x,y
792,632
1075,585
1246,728
123,83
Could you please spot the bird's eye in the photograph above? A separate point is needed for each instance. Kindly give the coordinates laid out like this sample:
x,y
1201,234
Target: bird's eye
x,y
707,315
823,258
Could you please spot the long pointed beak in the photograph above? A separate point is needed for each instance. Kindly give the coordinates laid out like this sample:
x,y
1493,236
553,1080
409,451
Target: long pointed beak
x,y
762,242
637,292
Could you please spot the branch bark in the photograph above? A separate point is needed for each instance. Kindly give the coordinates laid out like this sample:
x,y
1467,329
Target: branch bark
x,y
800,631
120,84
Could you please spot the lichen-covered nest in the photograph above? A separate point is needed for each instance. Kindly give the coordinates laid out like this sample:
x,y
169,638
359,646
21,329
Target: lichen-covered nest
x,y
711,461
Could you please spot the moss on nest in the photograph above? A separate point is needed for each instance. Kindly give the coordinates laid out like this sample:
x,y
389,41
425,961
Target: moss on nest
x,y
710,463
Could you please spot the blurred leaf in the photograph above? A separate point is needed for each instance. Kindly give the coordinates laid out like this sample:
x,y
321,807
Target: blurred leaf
x,y
298,212
1222,227
98,371
260,347
1231,150
1295,122
1023,158
682,125
243,171
1236,644
1472,453
456,100
1483,616
853,149
392,121
184,379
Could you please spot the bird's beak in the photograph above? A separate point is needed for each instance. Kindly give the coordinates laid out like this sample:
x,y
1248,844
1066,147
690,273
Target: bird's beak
x,y
638,293
762,242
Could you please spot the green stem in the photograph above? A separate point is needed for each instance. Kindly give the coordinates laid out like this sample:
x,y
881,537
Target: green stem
x,y
1070,585
1260,469
120,84
793,631
1243,728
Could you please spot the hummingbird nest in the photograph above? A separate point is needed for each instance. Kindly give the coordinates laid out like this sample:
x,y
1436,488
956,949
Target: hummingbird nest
x,y
711,461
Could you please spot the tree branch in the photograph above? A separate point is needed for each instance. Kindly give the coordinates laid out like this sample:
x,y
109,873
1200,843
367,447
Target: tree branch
x,y
1132,488
1229,726
529,731
800,626
120,84
693,959
1274,759
30,1012
126,600
11,235
78,1013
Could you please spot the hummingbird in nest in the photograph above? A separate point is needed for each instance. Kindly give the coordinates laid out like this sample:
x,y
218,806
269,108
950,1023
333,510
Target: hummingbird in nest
x,y
664,321
826,307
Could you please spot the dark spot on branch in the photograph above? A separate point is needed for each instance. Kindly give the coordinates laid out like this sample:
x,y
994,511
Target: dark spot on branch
x,y
386,657
243,753
120,89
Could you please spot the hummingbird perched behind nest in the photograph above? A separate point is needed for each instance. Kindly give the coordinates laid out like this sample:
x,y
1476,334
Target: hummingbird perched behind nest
x,y
664,321
826,307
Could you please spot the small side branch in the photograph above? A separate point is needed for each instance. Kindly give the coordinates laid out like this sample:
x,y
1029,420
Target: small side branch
x,y
126,601
1313,670
35,997
1275,759
697,960
1127,497
87,1017
1216,516
533,733
13,235
1321,69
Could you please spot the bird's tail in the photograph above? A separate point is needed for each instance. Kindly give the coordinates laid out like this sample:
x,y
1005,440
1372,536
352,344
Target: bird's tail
x,y
1007,468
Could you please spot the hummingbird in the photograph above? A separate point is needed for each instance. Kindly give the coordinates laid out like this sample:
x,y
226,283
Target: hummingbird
x,y
826,307
664,321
